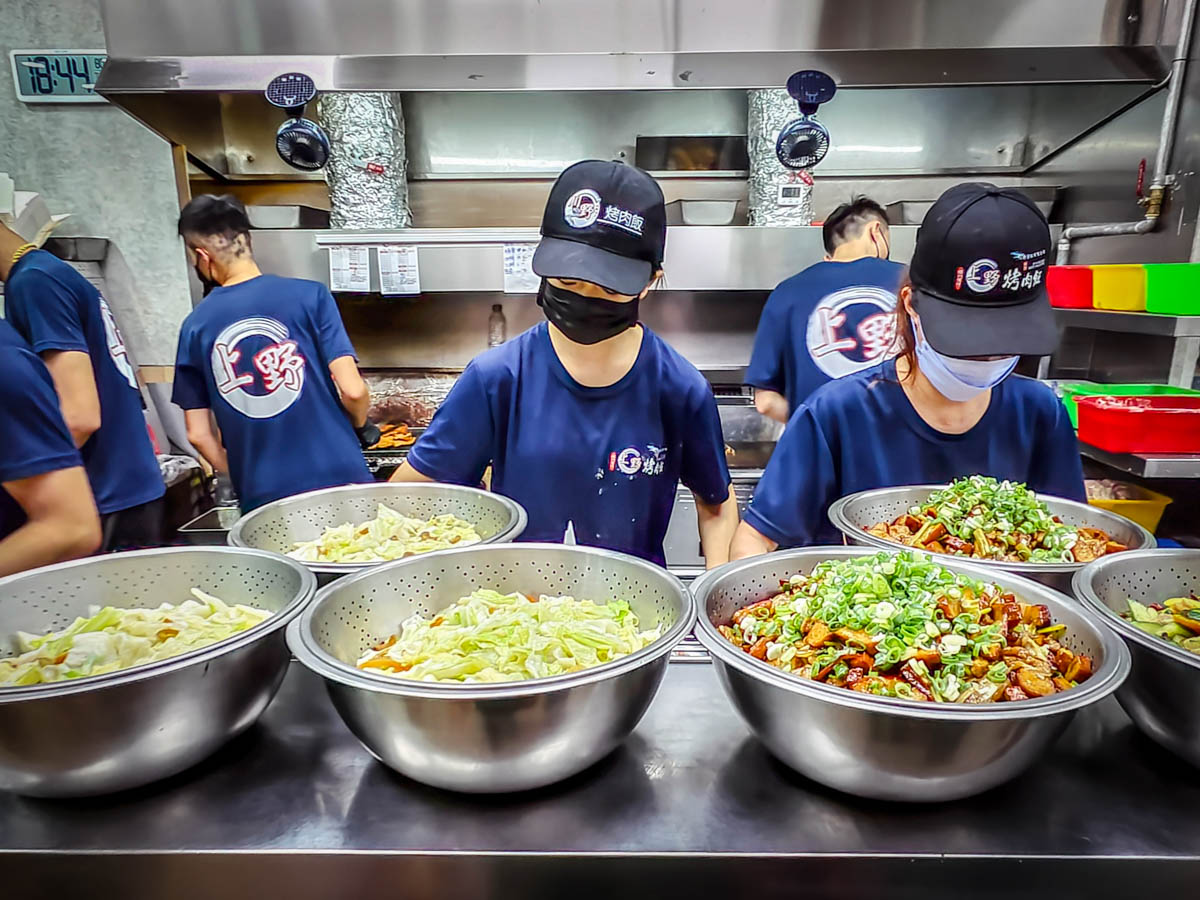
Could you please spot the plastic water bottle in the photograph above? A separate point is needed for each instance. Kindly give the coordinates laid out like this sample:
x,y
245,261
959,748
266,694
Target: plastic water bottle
x,y
497,326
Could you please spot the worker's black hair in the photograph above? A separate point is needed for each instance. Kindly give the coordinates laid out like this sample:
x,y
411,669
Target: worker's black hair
x,y
845,222
210,216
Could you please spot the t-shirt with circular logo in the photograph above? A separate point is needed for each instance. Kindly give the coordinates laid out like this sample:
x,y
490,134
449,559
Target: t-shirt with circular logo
x,y
257,354
830,320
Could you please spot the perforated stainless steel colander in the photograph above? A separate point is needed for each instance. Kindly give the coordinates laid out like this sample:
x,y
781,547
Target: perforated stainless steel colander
x,y
490,737
852,515
131,727
1162,693
279,526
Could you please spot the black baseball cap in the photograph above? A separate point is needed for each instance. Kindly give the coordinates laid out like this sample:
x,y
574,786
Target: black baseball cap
x,y
606,223
979,274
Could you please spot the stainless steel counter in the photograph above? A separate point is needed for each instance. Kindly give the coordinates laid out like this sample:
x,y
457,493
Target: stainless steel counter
x,y
690,806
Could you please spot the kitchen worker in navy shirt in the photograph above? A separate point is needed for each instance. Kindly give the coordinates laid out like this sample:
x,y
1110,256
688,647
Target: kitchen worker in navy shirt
x,y
590,420
68,323
948,406
269,358
835,318
47,513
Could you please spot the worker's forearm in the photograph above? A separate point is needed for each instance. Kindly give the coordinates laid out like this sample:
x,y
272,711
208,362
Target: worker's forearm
x,y
406,474
212,451
718,523
771,404
749,542
356,406
40,543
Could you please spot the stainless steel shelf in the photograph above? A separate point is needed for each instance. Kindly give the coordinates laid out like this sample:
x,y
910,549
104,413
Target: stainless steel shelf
x,y
1162,465
1129,322
698,258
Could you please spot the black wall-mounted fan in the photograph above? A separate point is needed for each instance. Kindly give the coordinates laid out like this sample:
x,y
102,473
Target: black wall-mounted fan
x,y
803,142
300,142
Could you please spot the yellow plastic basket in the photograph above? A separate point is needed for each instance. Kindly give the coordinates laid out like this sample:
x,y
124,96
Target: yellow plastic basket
x,y
1146,511
1120,287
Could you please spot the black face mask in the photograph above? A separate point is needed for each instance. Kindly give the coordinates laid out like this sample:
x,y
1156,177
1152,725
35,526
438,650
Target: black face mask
x,y
206,283
586,320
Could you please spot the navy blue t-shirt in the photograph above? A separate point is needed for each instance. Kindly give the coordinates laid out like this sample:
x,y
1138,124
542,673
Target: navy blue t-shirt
x,y
832,319
53,307
34,438
257,354
605,459
861,432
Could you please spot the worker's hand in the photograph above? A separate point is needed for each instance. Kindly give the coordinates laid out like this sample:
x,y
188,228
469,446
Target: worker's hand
x,y
368,435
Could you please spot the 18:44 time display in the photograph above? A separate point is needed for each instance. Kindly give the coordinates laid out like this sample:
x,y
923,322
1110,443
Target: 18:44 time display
x,y
57,76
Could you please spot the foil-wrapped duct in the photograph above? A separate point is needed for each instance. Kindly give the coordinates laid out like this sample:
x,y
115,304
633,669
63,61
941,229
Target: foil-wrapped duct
x,y
367,160
778,195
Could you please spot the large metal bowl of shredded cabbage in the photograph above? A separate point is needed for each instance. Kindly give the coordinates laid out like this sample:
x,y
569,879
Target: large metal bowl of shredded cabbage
x,y
495,668
342,530
119,670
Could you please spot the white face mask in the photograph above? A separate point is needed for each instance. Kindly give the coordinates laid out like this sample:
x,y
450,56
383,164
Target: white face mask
x,y
959,379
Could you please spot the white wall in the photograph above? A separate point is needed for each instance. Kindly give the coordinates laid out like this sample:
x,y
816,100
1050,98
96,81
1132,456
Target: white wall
x,y
113,175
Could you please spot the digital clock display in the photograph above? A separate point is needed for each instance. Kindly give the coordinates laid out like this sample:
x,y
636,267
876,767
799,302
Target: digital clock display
x,y
57,76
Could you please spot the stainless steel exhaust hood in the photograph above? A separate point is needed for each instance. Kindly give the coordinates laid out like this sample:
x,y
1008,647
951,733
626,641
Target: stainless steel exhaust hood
x,y
416,45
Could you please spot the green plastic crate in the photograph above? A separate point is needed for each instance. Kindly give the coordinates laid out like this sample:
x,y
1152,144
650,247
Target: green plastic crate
x,y
1071,390
1173,289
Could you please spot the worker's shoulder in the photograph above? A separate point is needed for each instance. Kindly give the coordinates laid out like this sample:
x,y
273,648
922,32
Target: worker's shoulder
x,y
852,391
822,278
672,370
40,266
505,361
1029,394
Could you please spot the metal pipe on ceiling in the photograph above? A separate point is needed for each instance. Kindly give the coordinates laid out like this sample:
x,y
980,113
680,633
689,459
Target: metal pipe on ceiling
x,y
1160,179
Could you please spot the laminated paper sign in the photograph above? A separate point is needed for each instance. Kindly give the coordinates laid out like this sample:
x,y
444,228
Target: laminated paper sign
x,y
518,269
350,269
398,272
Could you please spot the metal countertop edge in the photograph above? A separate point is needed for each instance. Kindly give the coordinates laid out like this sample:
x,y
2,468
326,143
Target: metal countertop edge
x,y
613,854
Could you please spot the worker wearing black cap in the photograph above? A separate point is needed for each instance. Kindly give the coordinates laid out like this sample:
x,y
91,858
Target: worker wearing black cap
x,y
948,406
590,420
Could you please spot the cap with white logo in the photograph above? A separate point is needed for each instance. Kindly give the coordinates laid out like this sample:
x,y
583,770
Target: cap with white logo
x,y
979,274
606,223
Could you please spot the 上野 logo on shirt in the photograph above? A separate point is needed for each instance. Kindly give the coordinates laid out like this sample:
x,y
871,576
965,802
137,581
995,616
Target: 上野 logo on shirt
x,y
116,344
852,329
633,461
275,376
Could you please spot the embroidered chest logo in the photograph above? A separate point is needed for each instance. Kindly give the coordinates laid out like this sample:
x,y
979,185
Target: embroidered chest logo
x,y
270,380
634,461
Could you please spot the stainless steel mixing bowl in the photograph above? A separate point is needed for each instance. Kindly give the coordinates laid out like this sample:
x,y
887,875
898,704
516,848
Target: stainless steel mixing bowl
x,y
1162,693
131,727
279,526
490,737
853,514
881,747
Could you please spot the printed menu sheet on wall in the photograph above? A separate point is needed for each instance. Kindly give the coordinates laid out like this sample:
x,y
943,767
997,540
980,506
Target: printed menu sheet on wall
x,y
518,269
398,271
350,269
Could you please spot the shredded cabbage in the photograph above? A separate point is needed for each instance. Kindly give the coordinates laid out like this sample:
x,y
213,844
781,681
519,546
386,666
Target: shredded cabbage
x,y
113,638
490,637
390,535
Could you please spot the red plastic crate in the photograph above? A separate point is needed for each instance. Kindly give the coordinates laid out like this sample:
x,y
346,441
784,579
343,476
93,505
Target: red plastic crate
x,y
1070,287
1140,424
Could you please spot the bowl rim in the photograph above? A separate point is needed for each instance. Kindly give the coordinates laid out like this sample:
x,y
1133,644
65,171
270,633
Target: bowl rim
x,y
276,621
850,531
1081,586
518,518
1089,692
306,649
